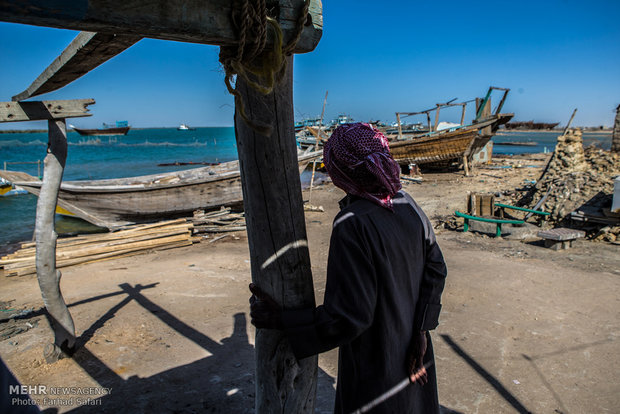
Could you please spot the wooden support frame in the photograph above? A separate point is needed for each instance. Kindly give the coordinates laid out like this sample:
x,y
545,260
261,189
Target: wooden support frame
x,y
47,274
44,110
270,178
84,53
195,21
279,253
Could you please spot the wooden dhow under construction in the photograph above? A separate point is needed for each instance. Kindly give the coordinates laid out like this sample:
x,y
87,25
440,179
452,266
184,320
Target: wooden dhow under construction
x,y
456,143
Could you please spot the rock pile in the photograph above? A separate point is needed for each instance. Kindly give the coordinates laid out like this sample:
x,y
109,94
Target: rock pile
x,y
574,179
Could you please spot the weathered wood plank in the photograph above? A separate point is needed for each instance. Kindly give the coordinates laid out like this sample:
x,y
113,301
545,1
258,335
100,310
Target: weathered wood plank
x,y
277,238
47,274
86,52
44,110
195,21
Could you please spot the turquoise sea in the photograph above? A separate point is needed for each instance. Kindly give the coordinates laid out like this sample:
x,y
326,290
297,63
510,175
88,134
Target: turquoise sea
x,y
545,141
137,153
140,152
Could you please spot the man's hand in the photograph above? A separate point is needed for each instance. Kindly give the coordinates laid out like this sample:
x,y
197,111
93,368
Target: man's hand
x,y
415,358
264,311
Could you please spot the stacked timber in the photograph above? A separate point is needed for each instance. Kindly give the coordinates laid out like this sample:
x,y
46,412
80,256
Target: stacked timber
x,y
221,221
103,246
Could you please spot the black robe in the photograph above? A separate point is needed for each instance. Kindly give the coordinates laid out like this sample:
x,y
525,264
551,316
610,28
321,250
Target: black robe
x,y
385,276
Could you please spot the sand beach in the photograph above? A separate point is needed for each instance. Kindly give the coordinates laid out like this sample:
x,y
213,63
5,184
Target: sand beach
x,y
523,328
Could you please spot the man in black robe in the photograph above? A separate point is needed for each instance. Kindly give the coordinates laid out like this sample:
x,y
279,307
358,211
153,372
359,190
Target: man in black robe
x,y
385,276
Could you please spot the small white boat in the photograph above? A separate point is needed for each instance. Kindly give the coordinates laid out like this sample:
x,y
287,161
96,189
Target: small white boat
x,y
185,127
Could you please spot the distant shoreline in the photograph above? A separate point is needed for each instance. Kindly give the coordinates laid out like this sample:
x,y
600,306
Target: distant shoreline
x,y
33,131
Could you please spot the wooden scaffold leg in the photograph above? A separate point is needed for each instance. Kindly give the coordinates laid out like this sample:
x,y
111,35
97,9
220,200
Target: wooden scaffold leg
x,y
279,254
47,274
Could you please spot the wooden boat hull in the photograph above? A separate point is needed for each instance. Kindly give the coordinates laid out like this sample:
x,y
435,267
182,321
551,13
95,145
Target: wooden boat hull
x,y
115,203
447,145
432,149
103,132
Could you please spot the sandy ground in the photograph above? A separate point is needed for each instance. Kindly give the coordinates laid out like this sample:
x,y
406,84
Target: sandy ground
x,y
523,328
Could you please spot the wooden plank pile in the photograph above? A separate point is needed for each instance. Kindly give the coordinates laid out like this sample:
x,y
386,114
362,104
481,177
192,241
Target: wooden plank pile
x,y
104,246
220,221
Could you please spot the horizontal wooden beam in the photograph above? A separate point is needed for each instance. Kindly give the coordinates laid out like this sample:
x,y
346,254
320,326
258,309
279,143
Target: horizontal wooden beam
x,y
86,52
195,21
42,110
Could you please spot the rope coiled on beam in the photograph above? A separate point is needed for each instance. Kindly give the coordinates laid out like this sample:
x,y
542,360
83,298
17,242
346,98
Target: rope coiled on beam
x,y
261,69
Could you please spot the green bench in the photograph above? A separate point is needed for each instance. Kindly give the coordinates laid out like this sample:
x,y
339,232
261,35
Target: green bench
x,y
503,207
498,222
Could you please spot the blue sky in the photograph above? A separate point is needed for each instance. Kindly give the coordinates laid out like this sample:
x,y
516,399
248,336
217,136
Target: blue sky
x,y
374,59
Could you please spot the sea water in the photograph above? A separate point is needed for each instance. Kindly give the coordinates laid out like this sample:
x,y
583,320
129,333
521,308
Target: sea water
x,y
544,141
140,152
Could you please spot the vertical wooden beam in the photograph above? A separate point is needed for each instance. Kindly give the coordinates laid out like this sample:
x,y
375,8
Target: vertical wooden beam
x,y
485,113
47,274
400,126
615,138
570,121
436,117
279,255
428,122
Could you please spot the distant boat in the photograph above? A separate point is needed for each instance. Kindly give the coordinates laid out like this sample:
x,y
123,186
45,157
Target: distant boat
x,y
308,122
185,127
7,189
531,125
114,203
121,128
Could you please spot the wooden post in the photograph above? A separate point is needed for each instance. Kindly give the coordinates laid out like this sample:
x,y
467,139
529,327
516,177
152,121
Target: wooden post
x,y
47,274
400,127
486,113
428,122
316,147
570,121
279,255
615,138
436,117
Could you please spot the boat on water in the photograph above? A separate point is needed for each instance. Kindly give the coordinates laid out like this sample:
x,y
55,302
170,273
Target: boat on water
x,y
445,143
308,122
8,189
531,125
115,203
185,127
121,128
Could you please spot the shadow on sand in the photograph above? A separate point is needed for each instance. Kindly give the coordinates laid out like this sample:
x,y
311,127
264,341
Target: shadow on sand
x,y
214,384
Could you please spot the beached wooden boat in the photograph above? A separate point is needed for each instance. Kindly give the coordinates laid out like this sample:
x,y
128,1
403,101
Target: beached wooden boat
x,y
114,203
457,143
434,148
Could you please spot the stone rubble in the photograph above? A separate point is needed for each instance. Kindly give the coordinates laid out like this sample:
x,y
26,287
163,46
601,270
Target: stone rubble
x,y
576,178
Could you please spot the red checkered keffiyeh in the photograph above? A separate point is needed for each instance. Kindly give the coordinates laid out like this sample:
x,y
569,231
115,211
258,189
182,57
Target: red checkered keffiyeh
x,y
358,160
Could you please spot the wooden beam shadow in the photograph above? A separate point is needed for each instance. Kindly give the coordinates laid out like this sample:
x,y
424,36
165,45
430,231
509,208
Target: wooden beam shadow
x,y
172,321
494,382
